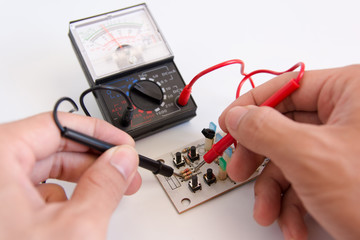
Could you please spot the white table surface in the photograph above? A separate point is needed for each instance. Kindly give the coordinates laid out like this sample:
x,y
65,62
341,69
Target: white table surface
x,y
38,66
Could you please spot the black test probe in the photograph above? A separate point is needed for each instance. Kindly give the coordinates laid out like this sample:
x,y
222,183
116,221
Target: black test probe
x,y
156,167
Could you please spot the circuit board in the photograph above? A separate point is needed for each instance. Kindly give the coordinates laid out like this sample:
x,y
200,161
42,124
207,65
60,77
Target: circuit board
x,y
194,182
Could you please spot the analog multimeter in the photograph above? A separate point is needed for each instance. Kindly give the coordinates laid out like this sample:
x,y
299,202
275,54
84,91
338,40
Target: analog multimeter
x,y
125,49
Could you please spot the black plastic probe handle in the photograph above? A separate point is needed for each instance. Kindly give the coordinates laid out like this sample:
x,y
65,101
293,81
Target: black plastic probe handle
x,y
156,167
86,140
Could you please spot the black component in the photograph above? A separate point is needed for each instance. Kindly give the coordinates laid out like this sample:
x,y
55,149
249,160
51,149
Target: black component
x,y
178,161
157,167
178,157
192,155
193,151
194,184
209,173
209,177
208,133
194,180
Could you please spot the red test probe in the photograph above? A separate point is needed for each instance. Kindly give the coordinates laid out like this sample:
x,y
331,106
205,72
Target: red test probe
x,y
219,148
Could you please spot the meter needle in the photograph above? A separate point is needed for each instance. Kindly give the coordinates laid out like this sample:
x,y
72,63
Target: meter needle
x,y
111,36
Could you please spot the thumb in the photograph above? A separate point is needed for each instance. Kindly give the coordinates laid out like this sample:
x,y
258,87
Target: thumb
x,y
102,186
267,132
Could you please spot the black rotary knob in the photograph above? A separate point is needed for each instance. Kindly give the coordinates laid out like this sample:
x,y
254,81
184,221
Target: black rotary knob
x,y
146,95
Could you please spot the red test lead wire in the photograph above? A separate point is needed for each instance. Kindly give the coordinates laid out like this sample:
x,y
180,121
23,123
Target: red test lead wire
x,y
185,94
219,148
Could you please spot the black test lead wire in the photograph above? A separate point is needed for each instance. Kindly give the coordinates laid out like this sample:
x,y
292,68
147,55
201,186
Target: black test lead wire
x,y
156,167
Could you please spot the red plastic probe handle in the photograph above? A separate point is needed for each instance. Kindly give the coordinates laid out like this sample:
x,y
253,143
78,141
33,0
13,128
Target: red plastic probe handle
x,y
281,94
219,147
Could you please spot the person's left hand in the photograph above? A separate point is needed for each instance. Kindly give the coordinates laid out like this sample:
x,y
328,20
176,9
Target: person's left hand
x,y
32,151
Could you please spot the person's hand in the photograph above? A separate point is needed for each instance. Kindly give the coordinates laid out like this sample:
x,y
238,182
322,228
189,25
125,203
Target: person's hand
x,y
312,139
32,151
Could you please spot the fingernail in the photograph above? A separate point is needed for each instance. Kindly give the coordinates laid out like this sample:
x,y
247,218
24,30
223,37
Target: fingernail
x,y
124,160
234,116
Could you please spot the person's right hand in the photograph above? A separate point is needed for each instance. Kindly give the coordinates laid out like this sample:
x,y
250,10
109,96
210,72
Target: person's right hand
x,y
312,139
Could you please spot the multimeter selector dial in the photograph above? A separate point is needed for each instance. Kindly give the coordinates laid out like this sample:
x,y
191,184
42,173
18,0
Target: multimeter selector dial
x,y
146,95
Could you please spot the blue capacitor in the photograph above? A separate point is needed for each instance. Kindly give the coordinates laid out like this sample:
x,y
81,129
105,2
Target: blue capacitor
x,y
218,137
228,152
212,126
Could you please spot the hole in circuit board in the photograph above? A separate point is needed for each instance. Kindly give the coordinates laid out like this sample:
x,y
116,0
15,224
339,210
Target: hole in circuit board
x,y
185,202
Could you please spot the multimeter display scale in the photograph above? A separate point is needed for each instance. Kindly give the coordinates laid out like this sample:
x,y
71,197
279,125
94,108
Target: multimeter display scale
x,y
125,49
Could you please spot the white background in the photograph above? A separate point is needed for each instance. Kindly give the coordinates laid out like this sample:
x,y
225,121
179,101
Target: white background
x,y
38,66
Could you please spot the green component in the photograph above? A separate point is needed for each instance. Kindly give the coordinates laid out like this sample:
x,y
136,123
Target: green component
x,y
222,163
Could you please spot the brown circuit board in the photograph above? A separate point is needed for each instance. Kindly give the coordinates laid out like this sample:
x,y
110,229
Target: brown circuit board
x,y
180,188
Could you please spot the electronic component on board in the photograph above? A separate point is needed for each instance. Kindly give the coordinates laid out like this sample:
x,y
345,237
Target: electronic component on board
x,y
222,174
178,160
209,177
125,49
187,161
185,174
222,163
192,155
209,135
194,184
185,150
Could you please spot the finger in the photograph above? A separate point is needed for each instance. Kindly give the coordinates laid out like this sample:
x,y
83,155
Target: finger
x,y
66,166
291,220
243,164
102,186
51,192
134,185
265,131
303,99
269,187
63,167
38,137
95,128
